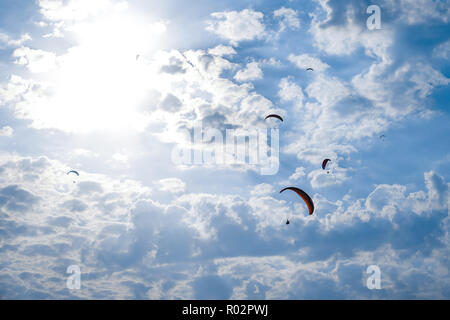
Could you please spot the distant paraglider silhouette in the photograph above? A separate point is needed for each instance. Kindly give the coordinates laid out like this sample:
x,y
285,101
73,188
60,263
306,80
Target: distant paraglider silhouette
x,y
310,69
324,164
274,116
73,172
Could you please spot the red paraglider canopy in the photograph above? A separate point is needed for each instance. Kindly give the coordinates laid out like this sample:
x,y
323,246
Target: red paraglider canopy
x,y
304,196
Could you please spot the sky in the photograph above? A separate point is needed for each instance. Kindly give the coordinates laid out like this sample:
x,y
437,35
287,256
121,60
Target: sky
x,y
118,90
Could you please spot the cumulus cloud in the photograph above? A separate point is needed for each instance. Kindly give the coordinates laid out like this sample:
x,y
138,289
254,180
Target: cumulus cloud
x,y
327,90
222,50
321,178
115,230
438,190
298,174
170,103
262,189
7,41
368,103
290,91
64,15
420,11
35,60
346,35
288,18
6,131
251,72
442,50
189,231
173,185
15,198
237,26
120,157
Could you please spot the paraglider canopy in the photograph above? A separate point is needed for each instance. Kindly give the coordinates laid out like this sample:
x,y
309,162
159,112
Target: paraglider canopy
x,y
304,196
274,116
324,163
310,69
73,172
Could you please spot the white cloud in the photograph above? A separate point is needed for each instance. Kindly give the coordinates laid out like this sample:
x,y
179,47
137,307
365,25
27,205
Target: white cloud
x,y
272,62
251,72
320,178
222,50
418,11
173,185
381,87
115,228
288,18
63,15
237,26
6,40
57,10
341,117
80,152
290,91
438,190
298,174
327,90
85,83
6,131
442,50
134,243
35,60
262,189
384,200
347,38
15,89
120,157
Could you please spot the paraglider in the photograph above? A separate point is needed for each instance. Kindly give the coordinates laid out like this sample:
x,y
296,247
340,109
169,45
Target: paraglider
x,y
287,221
310,69
274,116
73,172
324,164
304,196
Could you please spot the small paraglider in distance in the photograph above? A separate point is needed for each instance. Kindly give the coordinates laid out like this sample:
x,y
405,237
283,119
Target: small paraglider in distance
x,y
304,196
310,69
274,116
73,172
287,221
324,164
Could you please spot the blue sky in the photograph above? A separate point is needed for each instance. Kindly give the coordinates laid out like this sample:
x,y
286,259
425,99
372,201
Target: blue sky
x,y
73,96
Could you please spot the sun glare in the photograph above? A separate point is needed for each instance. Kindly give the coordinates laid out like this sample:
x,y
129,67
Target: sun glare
x,y
100,81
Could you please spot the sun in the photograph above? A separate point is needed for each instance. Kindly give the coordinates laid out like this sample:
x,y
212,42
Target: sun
x,y
99,81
